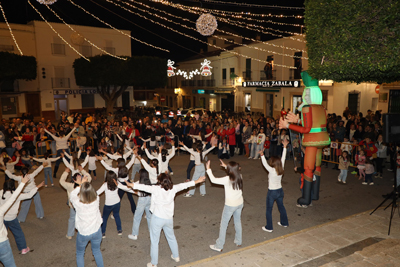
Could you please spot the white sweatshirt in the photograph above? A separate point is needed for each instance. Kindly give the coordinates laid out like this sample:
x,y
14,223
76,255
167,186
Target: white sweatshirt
x,y
152,171
112,196
162,201
12,212
162,166
233,198
274,180
48,160
70,186
197,159
71,167
88,218
61,142
4,208
128,166
10,165
92,163
31,185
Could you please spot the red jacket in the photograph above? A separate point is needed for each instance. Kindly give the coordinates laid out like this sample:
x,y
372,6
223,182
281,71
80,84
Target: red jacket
x,y
231,136
207,132
370,148
267,143
27,137
221,132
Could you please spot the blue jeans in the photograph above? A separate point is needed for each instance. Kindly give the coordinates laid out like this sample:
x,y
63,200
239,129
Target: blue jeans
x,y
71,222
6,256
189,169
272,196
81,243
254,150
47,174
143,205
156,225
94,172
26,204
135,169
54,149
106,213
368,178
343,175
121,193
199,171
19,236
227,214
27,163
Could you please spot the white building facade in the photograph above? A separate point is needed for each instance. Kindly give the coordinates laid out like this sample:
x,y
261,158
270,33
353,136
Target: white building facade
x,y
55,90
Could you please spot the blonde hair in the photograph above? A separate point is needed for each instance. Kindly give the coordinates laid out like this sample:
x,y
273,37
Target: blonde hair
x,y
87,194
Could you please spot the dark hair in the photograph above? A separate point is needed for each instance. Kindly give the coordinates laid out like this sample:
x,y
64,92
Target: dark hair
x,y
8,185
153,137
276,163
199,147
121,162
235,177
144,179
123,172
91,153
6,160
154,162
121,151
46,155
164,154
110,178
24,171
164,180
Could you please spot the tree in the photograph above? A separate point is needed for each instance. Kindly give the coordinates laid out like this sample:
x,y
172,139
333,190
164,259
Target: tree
x,y
112,76
353,40
13,67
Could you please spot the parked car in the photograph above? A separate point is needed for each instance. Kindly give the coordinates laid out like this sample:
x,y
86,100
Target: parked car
x,y
184,112
161,110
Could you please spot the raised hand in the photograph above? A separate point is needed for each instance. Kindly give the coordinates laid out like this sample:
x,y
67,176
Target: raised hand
x,y
40,185
200,180
283,124
285,142
292,118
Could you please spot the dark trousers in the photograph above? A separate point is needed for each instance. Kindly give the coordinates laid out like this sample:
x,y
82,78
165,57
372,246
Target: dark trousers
x,y
130,198
16,230
189,169
232,150
379,165
106,213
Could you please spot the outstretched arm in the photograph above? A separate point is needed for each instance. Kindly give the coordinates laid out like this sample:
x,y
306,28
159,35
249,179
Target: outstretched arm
x,y
85,161
108,168
36,172
149,155
68,165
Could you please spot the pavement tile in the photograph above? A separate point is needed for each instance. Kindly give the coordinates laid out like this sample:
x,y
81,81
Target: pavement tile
x,y
350,259
332,228
288,257
273,247
323,246
363,263
346,224
307,252
380,258
393,252
304,238
351,236
366,231
379,247
337,241
325,259
319,233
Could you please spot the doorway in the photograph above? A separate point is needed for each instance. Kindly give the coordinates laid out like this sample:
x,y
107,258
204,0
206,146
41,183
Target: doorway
x,y
269,105
354,102
213,104
296,102
394,101
60,104
126,100
33,104
228,102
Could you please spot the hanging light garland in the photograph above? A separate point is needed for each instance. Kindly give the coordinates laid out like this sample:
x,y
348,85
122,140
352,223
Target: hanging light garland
x,y
219,30
201,41
79,36
9,28
206,24
252,5
190,28
51,27
245,25
47,2
133,38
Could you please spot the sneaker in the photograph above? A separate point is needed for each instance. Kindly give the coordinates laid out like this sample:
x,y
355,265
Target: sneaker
x,y
390,170
177,259
266,230
255,158
25,250
45,185
187,195
250,158
364,183
279,223
52,185
213,247
371,183
354,172
120,232
112,217
41,218
171,173
104,236
339,180
302,206
344,182
133,237
68,237
202,195
151,265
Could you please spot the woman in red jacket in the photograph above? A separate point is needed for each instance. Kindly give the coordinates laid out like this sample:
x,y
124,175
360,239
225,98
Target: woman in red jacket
x,y
28,137
221,132
231,138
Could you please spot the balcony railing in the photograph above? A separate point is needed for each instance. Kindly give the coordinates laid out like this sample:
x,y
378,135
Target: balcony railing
x,y
58,83
294,74
228,82
271,76
57,49
110,50
6,48
247,75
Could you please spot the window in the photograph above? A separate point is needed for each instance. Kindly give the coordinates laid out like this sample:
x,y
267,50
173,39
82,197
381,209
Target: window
x,y
223,76
86,50
87,101
298,65
59,80
57,49
247,102
109,47
214,41
6,44
325,98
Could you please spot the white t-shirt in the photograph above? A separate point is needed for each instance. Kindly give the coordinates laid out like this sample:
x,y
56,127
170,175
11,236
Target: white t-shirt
x,y
233,198
274,180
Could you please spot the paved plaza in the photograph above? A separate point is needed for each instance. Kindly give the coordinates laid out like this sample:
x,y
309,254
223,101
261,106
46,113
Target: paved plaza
x,y
312,234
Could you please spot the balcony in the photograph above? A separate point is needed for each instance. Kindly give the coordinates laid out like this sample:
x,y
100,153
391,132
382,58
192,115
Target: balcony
x,y
57,49
228,82
295,74
198,83
7,48
60,83
110,50
247,75
265,77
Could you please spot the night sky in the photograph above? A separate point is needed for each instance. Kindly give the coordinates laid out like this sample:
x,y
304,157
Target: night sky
x,y
19,11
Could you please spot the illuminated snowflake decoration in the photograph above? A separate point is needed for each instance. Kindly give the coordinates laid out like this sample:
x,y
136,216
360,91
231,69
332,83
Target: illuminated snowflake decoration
x,y
47,2
206,24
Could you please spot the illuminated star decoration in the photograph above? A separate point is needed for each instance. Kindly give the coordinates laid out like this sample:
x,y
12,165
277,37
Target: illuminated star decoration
x,y
47,2
206,24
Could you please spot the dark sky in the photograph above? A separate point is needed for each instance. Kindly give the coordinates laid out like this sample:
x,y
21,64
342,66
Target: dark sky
x,y
19,11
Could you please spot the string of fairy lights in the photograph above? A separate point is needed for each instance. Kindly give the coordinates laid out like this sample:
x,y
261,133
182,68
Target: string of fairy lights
x,y
9,28
112,27
251,5
88,41
260,29
219,30
51,27
194,29
201,41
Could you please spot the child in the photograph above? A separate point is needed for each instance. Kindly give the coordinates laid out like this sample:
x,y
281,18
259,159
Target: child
x,y
70,187
10,219
6,256
88,220
369,171
75,161
275,168
267,145
162,208
47,170
233,185
360,160
214,142
143,204
223,149
92,163
9,164
252,142
354,153
259,145
344,163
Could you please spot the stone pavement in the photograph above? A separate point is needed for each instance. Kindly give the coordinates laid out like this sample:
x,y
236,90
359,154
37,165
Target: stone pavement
x,y
357,240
